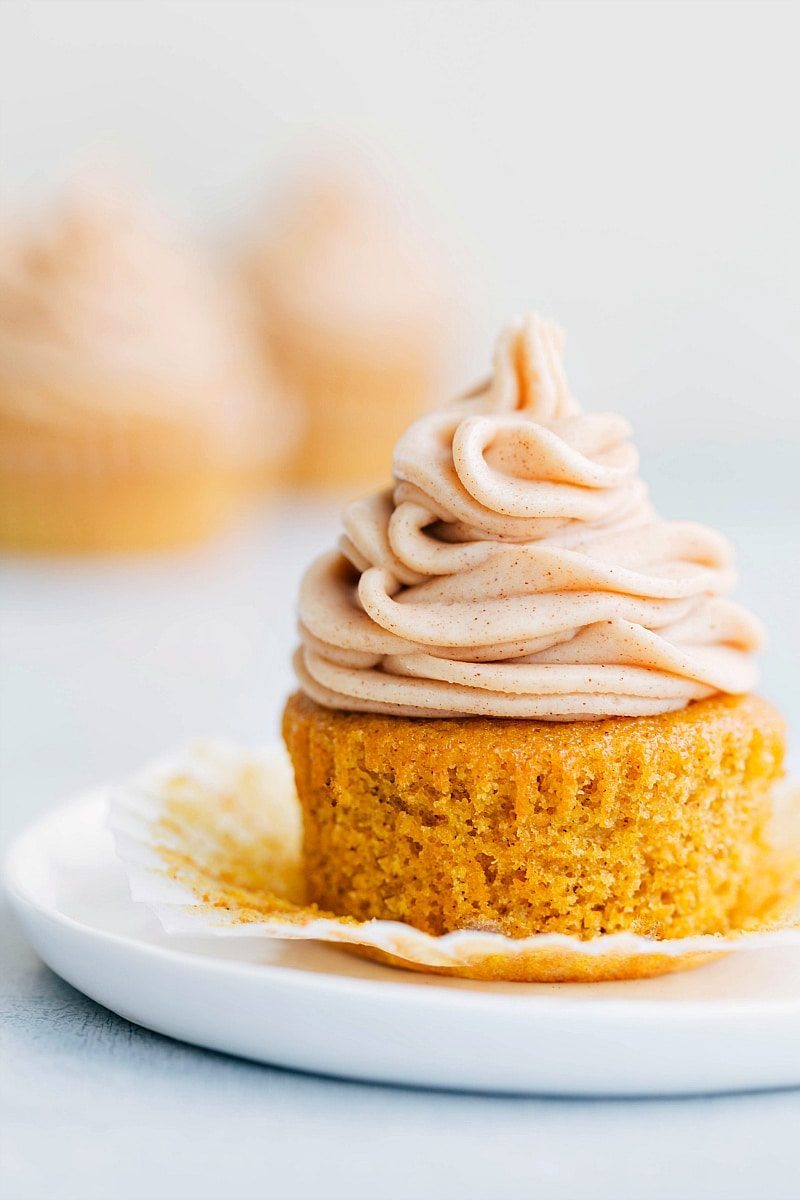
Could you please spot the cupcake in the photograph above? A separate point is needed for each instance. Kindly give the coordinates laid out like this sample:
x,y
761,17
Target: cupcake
x,y
346,308
131,409
526,699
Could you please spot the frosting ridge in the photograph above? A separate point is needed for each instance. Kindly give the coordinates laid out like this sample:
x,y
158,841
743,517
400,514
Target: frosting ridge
x,y
518,569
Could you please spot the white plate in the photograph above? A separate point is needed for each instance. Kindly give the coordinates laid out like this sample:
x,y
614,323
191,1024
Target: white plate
x,y
730,1026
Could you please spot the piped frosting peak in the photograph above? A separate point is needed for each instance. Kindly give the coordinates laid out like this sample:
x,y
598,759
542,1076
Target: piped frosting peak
x,y
518,569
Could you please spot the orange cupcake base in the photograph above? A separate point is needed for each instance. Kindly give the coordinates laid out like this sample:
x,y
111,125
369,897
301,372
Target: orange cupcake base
x,y
113,513
113,486
551,966
657,826
357,401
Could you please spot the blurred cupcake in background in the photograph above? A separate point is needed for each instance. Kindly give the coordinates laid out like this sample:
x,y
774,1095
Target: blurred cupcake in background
x,y
351,311
132,410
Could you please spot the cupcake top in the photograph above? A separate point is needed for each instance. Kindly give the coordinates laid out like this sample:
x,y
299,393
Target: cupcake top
x,y
518,569
104,318
341,259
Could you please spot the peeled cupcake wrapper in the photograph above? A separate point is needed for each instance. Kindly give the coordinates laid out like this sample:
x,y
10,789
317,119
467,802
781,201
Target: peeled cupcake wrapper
x,y
211,842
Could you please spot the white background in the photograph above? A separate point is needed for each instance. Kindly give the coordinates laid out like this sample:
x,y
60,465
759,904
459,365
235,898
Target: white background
x,y
630,168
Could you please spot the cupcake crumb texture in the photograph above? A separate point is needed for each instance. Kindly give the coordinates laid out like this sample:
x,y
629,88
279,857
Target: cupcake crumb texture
x,y
657,826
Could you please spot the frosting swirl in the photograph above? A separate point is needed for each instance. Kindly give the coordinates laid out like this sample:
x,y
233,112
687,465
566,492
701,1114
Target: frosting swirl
x,y
341,257
518,569
105,317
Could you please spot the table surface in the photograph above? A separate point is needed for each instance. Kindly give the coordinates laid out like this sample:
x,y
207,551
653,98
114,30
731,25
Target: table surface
x,y
105,664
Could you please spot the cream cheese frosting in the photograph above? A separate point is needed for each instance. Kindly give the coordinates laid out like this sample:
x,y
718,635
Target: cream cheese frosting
x,y
518,569
104,318
342,257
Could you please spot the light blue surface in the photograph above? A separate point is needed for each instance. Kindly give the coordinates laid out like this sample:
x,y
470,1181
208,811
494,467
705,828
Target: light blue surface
x,y
94,1108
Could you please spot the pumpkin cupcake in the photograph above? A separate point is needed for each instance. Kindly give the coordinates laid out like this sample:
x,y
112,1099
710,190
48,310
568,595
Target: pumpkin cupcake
x,y
131,409
347,310
525,697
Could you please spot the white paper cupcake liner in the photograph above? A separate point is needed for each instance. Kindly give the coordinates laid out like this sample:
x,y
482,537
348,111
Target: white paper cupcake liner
x,y
183,824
